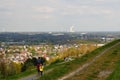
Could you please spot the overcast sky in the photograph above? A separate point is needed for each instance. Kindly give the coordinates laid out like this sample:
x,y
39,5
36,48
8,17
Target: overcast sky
x,y
59,15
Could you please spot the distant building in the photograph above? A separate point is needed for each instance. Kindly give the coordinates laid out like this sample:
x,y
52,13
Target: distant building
x,y
107,39
72,29
83,35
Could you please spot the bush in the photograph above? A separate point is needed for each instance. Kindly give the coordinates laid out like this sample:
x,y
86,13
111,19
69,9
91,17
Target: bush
x,y
9,68
29,64
57,61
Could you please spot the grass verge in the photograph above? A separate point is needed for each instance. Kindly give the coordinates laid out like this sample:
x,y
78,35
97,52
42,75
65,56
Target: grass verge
x,y
116,74
65,68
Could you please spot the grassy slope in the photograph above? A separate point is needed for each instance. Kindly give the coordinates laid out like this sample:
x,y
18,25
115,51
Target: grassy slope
x,y
24,74
62,69
116,73
102,67
65,68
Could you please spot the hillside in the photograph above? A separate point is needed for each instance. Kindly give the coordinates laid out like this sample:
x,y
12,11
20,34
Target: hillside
x,y
102,67
97,65
101,64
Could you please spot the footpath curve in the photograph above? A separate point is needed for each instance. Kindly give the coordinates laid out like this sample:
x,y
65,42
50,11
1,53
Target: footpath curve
x,y
86,64
34,76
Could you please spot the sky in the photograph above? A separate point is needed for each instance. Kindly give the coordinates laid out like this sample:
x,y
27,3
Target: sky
x,y
59,15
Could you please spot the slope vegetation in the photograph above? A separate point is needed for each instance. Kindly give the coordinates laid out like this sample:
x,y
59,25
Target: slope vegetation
x,y
102,67
97,65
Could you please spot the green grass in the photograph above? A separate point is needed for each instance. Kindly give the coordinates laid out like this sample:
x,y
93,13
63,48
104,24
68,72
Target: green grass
x,y
62,69
30,72
23,74
59,70
105,63
116,74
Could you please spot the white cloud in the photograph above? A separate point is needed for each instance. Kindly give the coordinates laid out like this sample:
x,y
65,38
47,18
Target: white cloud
x,y
6,13
107,1
100,0
85,10
53,1
8,3
42,16
43,9
7,7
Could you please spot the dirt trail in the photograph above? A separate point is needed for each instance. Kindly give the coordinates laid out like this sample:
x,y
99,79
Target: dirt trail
x,y
86,64
34,76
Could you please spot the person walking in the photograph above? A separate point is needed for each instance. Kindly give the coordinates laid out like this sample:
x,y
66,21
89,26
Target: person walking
x,y
40,65
41,69
38,68
40,60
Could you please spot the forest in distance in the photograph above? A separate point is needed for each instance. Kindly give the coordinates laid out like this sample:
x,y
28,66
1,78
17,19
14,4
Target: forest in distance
x,y
55,37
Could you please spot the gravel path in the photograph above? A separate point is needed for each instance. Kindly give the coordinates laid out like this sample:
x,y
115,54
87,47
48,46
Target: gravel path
x,y
34,76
